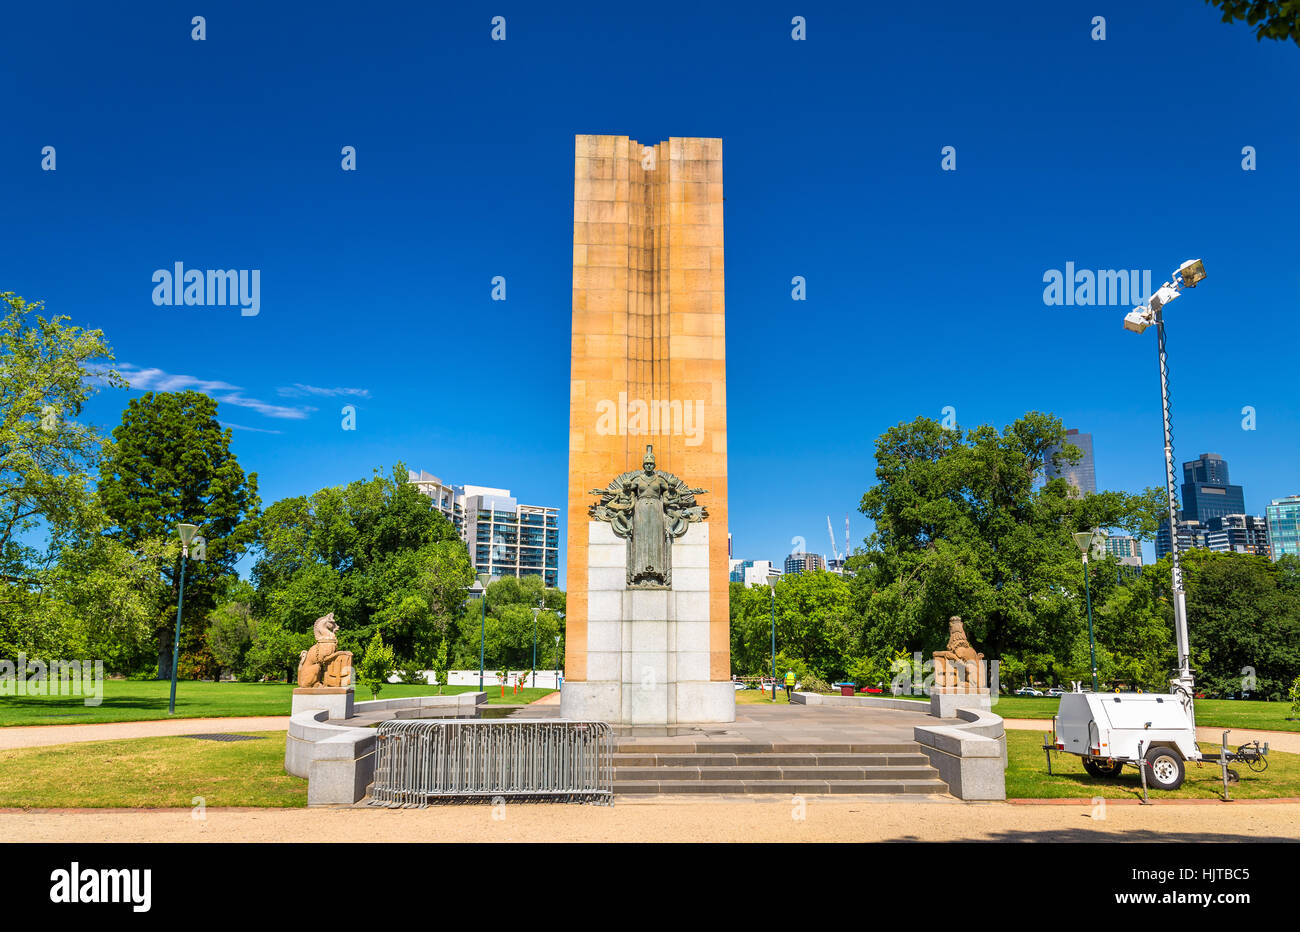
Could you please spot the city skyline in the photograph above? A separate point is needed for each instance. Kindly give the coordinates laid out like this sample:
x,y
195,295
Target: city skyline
x,y
922,288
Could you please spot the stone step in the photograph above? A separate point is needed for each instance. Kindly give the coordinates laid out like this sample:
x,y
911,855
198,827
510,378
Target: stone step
x,y
771,760
652,746
935,787
707,774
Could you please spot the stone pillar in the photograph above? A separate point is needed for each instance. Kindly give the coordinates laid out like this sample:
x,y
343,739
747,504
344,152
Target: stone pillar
x,y
648,367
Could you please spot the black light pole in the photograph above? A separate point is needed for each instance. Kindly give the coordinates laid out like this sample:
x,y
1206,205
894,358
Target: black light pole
x,y
536,609
482,638
186,532
1086,540
771,581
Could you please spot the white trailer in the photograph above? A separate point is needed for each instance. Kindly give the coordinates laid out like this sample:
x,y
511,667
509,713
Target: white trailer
x,y
1158,730
1109,730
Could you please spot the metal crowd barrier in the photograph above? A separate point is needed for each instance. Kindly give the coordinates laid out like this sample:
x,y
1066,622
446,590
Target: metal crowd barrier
x,y
418,762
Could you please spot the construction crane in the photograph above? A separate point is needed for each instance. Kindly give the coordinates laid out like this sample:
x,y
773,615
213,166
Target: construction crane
x,y
831,531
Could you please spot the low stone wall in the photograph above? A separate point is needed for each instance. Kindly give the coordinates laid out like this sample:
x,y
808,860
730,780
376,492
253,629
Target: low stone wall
x,y
461,705
875,702
338,760
970,755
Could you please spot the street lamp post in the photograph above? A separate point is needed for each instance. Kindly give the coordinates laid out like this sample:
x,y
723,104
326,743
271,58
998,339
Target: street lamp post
x,y
1086,540
480,586
482,636
557,661
1189,274
771,581
186,532
536,609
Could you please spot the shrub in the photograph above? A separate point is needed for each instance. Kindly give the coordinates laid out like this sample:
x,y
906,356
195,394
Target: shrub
x,y
376,665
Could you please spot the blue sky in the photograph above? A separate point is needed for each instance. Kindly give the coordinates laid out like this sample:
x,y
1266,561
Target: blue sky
x,y
925,287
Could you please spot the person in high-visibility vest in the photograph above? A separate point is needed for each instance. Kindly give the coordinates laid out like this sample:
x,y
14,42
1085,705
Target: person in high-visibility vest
x,y
789,683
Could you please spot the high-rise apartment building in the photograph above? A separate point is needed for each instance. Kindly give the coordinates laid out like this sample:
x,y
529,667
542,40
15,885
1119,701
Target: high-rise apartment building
x,y
752,573
1082,474
1238,534
504,538
1191,534
1284,526
804,563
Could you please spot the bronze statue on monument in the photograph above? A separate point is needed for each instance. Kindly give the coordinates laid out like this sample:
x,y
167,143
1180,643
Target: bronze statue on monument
x,y
649,508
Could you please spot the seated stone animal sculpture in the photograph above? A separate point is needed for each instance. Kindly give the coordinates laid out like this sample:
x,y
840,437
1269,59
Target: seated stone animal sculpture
x,y
959,668
323,664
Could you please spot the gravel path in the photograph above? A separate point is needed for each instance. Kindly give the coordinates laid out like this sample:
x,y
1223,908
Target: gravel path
x,y
34,736
657,820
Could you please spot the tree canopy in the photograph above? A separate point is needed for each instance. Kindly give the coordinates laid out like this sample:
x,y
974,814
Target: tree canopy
x,y
1272,19
170,463
375,552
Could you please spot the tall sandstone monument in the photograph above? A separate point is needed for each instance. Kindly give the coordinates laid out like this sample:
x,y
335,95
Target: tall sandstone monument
x,y
647,623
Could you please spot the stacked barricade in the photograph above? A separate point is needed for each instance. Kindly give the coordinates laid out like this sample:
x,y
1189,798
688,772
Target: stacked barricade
x,y
418,762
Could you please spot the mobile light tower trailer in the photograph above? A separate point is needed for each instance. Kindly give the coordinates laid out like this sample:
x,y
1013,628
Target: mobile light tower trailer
x,y
1155,732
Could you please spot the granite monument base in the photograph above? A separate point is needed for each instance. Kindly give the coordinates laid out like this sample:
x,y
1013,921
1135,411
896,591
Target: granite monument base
x,y
336,700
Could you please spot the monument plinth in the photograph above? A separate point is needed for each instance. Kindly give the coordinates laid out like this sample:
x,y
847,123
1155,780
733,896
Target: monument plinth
x,y
647,626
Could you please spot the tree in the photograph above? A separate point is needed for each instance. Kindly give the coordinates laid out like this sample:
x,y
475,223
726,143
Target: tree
x,y
375,552
1272,19
962,529
510,622
376,665
170,463
273,653
231,626
1244,612
98,600
48,371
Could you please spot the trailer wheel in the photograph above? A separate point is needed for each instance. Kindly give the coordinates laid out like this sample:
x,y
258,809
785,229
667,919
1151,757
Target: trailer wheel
x,y
1097,767
1165,767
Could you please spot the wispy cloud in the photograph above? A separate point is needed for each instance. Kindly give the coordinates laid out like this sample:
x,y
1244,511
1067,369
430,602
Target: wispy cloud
x,y
256,430
298,390
157,380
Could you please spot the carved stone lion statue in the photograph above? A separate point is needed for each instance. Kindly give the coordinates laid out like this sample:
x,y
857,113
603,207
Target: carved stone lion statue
x,y
959,668
323,664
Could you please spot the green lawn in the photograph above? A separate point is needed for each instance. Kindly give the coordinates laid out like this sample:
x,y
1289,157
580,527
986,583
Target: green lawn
x,y
756,697
1211,713
151,773
1027,776
138,700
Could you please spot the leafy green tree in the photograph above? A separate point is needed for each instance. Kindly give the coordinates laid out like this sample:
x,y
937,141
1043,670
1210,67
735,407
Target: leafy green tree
x,y
98,601
375,552
1272,19
231,627
377,665
170,463
442,663
511,628
48,370
961,528
751,624
1244,612
273,653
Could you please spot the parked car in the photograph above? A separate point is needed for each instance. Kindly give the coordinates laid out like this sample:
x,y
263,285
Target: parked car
x,y
1056,692
1028,691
